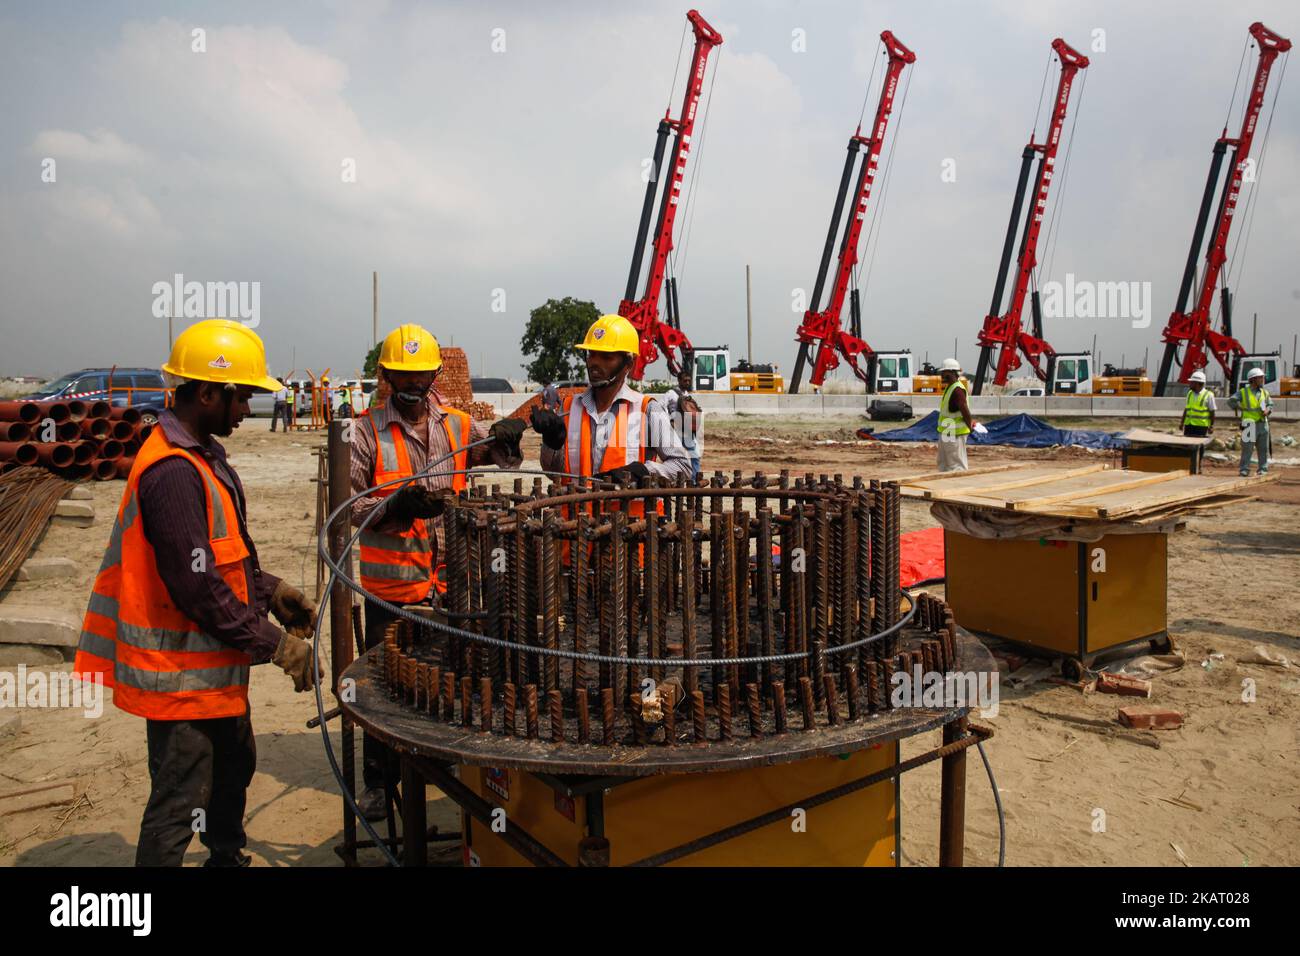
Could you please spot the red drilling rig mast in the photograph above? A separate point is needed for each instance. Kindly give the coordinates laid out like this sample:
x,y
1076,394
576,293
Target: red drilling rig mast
x,y
643,313
1003,332
822,328
1192,329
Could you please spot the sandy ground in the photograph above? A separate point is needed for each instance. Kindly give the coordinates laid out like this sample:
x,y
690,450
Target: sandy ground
x,y
1059,757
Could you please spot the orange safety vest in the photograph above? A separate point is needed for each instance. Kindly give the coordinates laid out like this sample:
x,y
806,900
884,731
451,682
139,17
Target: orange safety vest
x,y
398,567
577,444
159,662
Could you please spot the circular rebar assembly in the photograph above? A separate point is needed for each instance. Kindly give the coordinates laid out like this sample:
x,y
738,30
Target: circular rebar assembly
x,y
666,615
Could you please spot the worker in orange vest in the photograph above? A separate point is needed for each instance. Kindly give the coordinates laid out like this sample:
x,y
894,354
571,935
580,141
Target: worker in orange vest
x,y
610,427
413,428
179,609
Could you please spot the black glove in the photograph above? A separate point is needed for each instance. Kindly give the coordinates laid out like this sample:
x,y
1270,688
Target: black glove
x,y
634,472
415,502
508,432
550,426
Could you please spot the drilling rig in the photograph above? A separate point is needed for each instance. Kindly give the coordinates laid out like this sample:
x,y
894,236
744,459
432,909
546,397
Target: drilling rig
x,y
1003,331
1192,330
822,328
666,336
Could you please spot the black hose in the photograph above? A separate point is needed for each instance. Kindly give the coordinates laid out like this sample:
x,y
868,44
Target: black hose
x,y
997,799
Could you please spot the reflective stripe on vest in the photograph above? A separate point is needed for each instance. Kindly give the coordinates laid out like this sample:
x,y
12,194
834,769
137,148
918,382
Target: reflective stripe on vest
x,y
397,567
161,665
951,422
1198,412
1251,404
630,434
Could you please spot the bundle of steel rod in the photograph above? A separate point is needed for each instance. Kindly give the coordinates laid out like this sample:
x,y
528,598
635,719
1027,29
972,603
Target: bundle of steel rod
x,y
667,615
28,497
74,439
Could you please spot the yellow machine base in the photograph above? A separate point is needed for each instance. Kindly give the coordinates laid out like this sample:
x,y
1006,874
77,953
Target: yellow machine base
x,y
1070,597
648,815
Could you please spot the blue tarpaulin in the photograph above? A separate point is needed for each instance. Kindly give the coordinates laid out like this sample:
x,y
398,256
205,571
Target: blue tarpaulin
x,y
1022,431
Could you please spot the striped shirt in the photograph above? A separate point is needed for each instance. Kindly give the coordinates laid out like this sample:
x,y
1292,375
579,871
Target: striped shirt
x,y
424,443
661,442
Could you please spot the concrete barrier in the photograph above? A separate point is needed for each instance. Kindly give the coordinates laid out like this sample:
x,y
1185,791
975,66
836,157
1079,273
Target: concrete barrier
x,y
746,404
1079,405
1161,407
800,404
1022,404
1102,407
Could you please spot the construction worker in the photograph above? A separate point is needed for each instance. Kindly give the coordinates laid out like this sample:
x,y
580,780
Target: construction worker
x,y
1198,413
955,421
280,411
686,414
179,609
551,397
610,427
1253,405
400,438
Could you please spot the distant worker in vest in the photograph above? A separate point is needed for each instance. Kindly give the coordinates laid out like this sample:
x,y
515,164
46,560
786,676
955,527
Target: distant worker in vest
x,y
1253,405
1198,413
404,436
610,428
280,410
686,416
179,609
955,421
551,397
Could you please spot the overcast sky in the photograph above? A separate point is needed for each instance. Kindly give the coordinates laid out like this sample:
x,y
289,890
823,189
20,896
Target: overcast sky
x,y
520,170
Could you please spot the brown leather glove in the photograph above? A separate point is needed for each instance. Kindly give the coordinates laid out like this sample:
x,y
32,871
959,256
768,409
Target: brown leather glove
x,y
293,609
293,656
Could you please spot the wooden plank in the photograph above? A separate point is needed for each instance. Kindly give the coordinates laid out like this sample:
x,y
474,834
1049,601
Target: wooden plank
x,y
1181,490
1145,436
980,486
1161,515
941,475
1136,481
32,798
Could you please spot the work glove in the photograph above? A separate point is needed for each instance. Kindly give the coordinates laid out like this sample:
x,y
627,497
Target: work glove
x,y
508,433
979,429
634,470
550,426
415,502
293,656
294,610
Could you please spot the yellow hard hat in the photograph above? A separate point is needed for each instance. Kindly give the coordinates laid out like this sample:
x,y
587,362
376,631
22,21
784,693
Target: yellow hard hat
x,y
410,348
611,333
221,350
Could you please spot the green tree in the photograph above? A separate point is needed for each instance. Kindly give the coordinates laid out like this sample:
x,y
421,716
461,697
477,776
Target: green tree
x,y
553,329
371,367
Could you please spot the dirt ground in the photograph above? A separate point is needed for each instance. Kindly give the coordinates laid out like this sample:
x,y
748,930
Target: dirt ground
x,y
1223,791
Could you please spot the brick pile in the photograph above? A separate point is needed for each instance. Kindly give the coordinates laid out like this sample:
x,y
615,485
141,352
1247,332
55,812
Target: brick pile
x,y
525,411
453,383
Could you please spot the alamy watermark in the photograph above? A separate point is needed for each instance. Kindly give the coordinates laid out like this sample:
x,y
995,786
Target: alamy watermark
x,y
1085,299
933,689
41,689
208,300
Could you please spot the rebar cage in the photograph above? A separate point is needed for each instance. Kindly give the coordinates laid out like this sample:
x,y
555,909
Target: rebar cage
x,y
666,614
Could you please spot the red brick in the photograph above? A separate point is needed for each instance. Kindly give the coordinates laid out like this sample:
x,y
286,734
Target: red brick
x,y
1122,684
1150,718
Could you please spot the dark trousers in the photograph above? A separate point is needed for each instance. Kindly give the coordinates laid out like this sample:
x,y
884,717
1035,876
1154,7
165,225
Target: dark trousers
x,y
1196,431
280,413
373,753
196,765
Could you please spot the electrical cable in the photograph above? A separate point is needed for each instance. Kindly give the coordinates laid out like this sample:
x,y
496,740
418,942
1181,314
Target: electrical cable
x,y
997,800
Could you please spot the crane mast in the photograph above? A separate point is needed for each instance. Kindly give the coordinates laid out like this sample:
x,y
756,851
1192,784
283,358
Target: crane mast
x,y
643,313
822,328
1192,329
1003,332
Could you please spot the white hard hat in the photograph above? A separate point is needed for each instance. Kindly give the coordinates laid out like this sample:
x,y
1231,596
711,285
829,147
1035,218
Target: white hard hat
x,y
1253,372
951,365
1197,376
